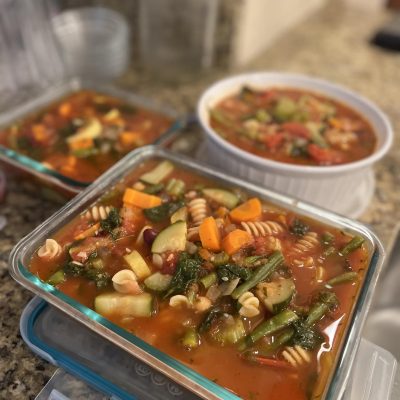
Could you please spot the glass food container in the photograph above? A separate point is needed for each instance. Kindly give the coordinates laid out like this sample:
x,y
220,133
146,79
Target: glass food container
x,y
173,369
27,167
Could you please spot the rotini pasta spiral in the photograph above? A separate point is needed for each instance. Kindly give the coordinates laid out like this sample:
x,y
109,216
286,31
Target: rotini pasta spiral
x,y
249,305
98,213
193,233
307,262
296,355
50,249
262,228
198,210
308,242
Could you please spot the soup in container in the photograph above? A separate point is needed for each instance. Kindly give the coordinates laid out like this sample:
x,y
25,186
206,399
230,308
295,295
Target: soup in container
x,y
302,136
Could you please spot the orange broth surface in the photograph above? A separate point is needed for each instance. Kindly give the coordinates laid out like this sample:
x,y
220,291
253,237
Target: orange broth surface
x,y
293,126
164,329
57,135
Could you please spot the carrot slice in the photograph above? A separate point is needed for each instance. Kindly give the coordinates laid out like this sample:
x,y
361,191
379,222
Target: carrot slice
x,y
65,110
81,144
129,138
209,234
235,240
247,211
139,199
88,232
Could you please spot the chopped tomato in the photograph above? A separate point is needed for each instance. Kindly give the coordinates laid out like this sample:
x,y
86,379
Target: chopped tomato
x,y
274,141
296,129
324,156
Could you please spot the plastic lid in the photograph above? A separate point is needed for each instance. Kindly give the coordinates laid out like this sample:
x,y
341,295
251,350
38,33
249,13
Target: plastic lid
x,y
65,342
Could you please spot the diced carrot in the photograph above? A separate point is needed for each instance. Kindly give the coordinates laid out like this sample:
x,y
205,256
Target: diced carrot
x,y
39,133
247,211
139,199
335,123
222,212
129,138
88,232
209,234
235,240
205,254
65,109
81,144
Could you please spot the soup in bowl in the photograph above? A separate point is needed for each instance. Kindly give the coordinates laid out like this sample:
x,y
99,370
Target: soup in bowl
x,y
300,135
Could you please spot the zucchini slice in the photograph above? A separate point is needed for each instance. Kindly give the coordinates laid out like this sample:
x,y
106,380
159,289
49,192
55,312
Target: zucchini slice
x,y
172,238
157,174
276,295
158,282
139,305
221,196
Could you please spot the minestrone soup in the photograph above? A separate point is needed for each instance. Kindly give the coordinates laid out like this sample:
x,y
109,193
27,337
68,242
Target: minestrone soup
x,y
208,273
293,126
84,134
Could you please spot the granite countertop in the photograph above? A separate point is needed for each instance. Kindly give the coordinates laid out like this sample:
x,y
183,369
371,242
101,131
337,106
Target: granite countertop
x,y
332,44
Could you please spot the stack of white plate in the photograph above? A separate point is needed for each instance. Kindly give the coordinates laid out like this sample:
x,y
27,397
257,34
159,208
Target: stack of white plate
x,y
94,41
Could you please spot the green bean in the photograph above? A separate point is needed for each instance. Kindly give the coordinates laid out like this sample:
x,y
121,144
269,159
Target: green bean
x,y
274,324
342,278
354,244
209,280
220,259
268,349
326,301
261,273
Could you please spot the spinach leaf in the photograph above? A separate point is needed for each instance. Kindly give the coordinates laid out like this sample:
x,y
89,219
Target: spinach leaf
x,y
299,228
306,336
187,272
228,272
112,221
159,213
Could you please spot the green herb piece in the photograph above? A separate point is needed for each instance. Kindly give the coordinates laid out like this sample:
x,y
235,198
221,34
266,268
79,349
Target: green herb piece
x,y
162,212
99,277
112,221
228,272
57,278
305,335
298,227
187,272
153,189
327,238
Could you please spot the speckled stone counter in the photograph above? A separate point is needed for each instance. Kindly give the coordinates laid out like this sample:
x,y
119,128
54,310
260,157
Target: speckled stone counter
x,y
332,45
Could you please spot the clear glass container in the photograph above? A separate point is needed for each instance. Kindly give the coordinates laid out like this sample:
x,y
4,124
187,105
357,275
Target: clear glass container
x,y
25,166
22,254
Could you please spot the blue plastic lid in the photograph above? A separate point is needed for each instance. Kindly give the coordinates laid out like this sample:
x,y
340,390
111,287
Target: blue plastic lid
x,y
66,343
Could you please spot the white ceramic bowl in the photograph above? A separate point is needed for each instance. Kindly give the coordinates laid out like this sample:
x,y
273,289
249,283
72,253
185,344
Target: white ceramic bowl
x,y
345,189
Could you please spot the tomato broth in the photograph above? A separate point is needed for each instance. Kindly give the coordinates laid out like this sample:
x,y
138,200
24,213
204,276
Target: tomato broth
x,y
250,295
